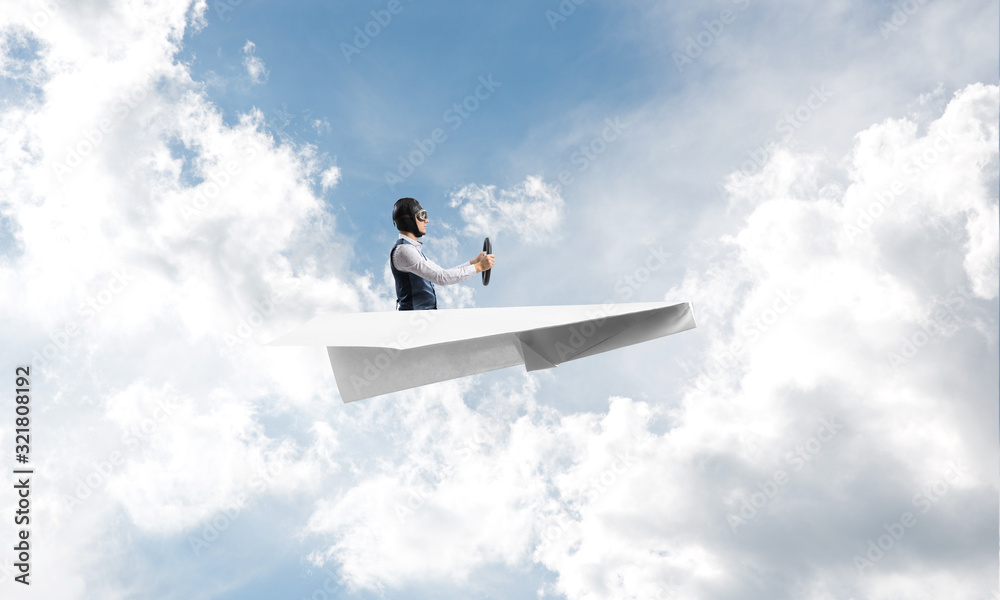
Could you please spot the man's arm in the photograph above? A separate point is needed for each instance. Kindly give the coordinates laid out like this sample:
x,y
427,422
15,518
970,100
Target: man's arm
x,y
406,258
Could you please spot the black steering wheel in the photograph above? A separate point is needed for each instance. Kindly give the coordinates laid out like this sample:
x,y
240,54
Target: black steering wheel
x,y
488,249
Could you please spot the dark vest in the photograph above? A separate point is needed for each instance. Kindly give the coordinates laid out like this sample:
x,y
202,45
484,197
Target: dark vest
x,y
413,292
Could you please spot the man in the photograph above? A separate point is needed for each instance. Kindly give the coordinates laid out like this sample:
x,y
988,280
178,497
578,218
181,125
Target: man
x,y
415,275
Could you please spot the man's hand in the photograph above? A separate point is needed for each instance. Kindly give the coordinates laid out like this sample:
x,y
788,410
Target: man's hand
x,y
483,262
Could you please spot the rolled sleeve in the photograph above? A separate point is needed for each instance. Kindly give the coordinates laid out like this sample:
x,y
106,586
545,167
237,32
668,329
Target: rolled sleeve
x,y
408,259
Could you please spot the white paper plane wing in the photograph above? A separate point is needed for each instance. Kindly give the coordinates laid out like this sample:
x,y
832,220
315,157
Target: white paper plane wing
x,y
381,352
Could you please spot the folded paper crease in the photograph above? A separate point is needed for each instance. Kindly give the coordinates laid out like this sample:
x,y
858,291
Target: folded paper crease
x,y
382,352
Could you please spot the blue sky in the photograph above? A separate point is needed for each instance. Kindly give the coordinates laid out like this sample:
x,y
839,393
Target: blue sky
x,y
182,182
398,88
558,83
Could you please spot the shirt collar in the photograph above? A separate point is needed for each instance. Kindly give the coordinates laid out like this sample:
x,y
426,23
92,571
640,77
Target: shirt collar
x,y
416,243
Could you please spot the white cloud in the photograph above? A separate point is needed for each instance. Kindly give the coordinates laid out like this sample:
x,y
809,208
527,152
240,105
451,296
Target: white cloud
x,y
459,485
824,348
156,248
157,485
330,177
143,274
255,66
812,391
531,210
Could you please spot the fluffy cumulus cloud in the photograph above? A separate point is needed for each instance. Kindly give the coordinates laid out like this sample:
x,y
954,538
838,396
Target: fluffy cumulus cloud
x,y
157,487
153,247
838,425
834,437
476,484
531,210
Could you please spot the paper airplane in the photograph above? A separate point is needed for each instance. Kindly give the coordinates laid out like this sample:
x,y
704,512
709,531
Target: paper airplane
x,y
381,352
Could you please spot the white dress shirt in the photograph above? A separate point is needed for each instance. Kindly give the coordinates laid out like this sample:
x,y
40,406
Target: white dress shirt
x,y
407,258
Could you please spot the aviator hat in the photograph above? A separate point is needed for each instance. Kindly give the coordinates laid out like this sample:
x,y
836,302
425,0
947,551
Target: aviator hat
x,y
403,213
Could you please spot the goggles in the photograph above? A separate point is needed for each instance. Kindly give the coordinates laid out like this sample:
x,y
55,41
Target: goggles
x,y
421,215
